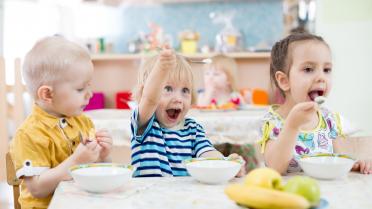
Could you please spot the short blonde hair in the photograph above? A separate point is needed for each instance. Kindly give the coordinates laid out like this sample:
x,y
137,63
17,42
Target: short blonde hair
x,y
48,60
227,65
182,72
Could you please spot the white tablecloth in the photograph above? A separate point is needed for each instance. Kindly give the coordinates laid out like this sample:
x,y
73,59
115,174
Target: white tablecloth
x,y
354,191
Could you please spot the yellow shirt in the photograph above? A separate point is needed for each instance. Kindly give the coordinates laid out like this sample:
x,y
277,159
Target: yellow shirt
x,y
42,142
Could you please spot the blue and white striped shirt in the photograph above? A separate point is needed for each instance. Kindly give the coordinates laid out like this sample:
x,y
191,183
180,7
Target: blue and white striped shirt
x,y
160,151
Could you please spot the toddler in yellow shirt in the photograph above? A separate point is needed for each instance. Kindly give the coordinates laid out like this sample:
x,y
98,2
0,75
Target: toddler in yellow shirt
x,y
58,75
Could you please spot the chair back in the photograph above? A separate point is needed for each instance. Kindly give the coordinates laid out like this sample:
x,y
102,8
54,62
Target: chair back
x,y
9,112
12,179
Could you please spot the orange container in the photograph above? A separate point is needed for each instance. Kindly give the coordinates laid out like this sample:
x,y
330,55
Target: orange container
x,y
260,97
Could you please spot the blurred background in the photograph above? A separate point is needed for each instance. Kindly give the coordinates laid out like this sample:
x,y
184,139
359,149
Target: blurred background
x,y
116,31
120,33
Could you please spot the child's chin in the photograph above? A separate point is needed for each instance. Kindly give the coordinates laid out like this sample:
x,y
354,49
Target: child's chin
x,y
77,113
170,123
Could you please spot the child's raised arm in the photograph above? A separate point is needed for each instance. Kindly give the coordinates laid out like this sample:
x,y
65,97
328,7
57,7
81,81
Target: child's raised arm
x,y
278,153
154,85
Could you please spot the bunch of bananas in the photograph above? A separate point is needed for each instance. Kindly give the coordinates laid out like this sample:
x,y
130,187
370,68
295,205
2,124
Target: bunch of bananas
x,y
263,188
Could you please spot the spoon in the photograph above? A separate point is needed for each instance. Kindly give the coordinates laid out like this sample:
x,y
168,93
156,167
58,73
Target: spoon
x,y
82,139
196,61
320,100
203,61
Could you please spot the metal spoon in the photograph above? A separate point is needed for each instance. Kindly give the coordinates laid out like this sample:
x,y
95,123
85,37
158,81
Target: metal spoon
x,y
320,100
82,139
203,61
191,60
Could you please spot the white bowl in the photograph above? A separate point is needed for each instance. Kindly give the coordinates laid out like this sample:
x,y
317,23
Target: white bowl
x,y
326,166
101,177
212,171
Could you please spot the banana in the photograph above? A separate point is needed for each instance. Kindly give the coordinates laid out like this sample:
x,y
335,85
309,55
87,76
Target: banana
x,y
258,197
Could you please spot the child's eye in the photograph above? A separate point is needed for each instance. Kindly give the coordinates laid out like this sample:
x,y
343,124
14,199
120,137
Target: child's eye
x,y
168,88
328,70
80,90
308,69
186,90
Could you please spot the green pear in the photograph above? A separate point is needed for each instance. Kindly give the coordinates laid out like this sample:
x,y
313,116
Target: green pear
x,y
264,177
304,186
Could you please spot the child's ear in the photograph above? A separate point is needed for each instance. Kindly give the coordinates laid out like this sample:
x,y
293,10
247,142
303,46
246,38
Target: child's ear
x,y
282,80
45,93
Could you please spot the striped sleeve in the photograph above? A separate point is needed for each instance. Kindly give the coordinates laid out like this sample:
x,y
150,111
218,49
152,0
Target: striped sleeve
x,y
134,127
201,143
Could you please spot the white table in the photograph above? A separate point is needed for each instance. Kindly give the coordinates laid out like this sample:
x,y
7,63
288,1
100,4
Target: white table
x,y
355,191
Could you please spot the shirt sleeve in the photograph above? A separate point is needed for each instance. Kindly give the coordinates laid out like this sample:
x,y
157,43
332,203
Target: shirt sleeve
x,y
270,129
30,154
134,127
201,143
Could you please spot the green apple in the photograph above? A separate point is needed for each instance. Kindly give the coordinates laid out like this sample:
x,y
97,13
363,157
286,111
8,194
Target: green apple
x,y
304,186
264,177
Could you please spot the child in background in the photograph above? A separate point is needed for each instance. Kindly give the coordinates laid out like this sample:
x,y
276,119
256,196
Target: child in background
x,y
220,83
301,67
58,75
161,135
221,89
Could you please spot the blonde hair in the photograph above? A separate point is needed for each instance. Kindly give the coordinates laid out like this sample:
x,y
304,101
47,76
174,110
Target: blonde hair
x,y
48,60
182,72
228,66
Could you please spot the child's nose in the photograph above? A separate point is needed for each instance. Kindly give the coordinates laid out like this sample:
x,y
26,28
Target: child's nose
x,y
321,77
177,97
89,93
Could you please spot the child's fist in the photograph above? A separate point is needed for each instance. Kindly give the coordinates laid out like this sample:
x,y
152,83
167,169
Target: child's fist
x,y
88,153
105,141
166,59
300,114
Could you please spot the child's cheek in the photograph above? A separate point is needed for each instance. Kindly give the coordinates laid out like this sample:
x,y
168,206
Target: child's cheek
x,y
209,83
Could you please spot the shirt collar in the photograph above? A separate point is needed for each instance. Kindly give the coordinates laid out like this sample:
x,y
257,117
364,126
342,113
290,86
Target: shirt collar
x,y
50,120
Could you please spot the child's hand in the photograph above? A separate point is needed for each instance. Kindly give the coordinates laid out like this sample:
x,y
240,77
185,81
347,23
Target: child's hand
x,y
242,171
167,59
363,166
105,141
300,114
87,153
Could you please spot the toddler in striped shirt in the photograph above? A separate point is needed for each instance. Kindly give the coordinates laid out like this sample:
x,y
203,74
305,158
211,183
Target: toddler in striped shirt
x,y
161,135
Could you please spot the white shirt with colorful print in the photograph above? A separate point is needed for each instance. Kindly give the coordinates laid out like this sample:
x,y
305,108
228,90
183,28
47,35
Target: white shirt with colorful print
x,y
318,140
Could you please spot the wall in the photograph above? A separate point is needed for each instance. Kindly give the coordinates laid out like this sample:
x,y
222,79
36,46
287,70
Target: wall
x,y
347,27
259,20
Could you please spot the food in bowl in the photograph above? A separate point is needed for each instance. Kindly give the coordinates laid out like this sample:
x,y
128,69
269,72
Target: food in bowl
x,y
326,166
213,170
101,177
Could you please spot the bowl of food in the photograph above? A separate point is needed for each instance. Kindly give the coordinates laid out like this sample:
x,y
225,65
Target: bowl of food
x,y
213,170
101,177
326,166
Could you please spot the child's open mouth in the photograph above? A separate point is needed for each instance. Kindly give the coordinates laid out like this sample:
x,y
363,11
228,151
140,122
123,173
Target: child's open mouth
x,y
173,113
315,93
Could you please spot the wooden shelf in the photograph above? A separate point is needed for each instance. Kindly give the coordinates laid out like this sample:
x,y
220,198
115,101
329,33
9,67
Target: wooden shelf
x,y
237,55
